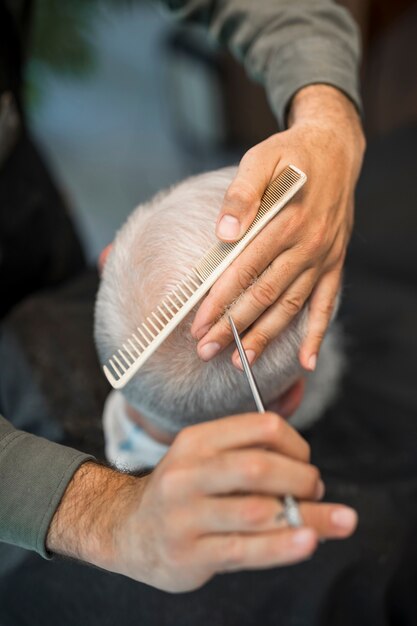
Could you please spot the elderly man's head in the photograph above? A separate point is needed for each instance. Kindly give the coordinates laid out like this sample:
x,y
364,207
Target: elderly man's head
x,y
158,245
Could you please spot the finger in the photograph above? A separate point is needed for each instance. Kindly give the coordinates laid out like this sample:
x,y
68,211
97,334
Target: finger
x,y
258,290
276,241
276,318
243,197
256,514
256,471
267,430
321,309
330,521
259,298
231,552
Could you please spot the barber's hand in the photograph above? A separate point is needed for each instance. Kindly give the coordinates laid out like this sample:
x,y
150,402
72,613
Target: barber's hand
x,y
210,506
300,254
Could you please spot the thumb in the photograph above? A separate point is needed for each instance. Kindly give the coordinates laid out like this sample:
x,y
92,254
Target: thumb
x,y
243,197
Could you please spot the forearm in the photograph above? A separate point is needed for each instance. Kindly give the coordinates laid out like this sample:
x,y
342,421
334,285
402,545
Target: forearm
x,y
327,114
285,44
333,117
326,105
34,474
86,522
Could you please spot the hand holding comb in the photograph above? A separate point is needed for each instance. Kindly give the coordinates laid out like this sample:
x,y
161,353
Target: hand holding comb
x,y
150,333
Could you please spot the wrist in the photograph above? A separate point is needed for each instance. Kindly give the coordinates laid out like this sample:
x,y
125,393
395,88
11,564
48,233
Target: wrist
x,y
327,107
333,119
86,522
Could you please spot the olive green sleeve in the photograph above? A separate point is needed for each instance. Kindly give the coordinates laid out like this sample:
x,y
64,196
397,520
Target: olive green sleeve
x,y
34,474
285,44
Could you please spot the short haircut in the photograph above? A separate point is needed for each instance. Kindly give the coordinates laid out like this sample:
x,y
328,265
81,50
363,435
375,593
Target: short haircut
x,y
157,246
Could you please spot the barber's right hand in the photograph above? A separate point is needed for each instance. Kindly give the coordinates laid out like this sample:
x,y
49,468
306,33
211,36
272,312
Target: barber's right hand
x,y
211,505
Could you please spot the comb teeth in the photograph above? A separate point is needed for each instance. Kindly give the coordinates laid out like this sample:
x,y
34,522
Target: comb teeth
x,y
273,194
182,298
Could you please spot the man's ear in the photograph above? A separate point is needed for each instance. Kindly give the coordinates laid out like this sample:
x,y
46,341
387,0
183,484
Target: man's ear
x,y
103,257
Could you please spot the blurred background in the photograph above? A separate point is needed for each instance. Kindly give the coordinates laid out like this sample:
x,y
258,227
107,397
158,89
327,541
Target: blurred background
x,y
124,101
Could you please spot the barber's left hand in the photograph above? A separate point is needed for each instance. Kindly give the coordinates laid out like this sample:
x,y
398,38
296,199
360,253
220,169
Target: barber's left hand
x,y
300,254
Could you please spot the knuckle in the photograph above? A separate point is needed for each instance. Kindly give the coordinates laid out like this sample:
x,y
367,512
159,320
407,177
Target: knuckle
x,y
250,154
223,330
254,469
264,292
326,309
186,438
286,268
261,339
273,425
222,465
294,221
255,512
336,257
171,482
240,196
292,304
318,336
318,241
311,479
246,275
215,292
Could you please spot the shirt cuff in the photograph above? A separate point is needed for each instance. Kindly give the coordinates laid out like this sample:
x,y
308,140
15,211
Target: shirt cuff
x,y
307,62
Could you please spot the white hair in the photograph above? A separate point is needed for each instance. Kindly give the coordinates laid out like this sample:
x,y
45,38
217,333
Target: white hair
x,y
157,246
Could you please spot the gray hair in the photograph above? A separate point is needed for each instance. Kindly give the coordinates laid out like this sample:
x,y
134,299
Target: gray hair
x,y
153,251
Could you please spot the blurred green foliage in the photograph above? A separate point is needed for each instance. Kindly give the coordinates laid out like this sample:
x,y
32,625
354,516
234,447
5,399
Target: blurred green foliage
x,y
60,40
59,37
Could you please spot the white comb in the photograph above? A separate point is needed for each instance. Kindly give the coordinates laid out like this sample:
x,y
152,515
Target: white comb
x,y
179,302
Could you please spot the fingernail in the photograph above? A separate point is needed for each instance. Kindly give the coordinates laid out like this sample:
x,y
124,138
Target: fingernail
x,y
345,518
200,332
209,350
321,490
302,537
312,362
228,227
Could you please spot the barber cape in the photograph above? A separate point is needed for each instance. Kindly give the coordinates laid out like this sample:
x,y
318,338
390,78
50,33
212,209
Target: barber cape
x,y
127,445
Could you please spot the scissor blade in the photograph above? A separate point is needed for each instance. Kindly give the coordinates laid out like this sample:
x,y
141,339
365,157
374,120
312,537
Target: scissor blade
x,y
289,501
246,368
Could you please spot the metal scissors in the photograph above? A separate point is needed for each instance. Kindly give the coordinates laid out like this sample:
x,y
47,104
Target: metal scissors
x,y
291,510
